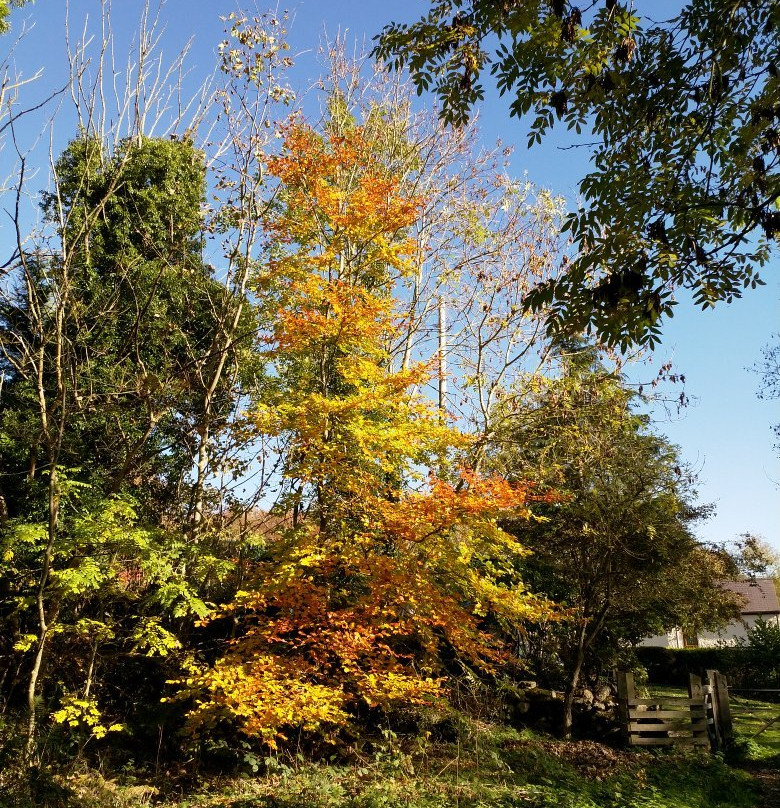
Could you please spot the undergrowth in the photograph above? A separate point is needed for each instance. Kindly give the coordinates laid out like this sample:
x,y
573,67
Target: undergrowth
x,y
485,766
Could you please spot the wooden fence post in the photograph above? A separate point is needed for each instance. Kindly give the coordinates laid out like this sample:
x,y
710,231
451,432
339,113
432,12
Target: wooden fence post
x,y
709,715
695,690
626,693
720,706
698,711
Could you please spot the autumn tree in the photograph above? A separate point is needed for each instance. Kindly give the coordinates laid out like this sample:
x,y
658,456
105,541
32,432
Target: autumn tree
x,y
381,567
683,116
483,240
617,549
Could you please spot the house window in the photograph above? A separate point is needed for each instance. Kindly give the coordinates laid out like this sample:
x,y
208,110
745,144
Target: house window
x,y
690,639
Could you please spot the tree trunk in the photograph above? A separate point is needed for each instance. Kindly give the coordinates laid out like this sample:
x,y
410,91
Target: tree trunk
x,y
571,686
442,355
590,630
200,479
44,621
32,689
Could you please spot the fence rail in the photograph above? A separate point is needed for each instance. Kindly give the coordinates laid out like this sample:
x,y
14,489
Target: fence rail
x,y
703,718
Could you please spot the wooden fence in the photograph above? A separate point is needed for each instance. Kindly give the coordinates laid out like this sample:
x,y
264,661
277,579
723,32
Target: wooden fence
x,y
701,719
765,715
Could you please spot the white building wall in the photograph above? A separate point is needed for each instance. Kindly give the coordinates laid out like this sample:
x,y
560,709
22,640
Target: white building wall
x,y
736,630
729,635
672,639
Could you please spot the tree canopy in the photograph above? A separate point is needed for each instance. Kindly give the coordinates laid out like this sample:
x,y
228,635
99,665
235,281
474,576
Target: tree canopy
x,y
5,10
616,546
684,117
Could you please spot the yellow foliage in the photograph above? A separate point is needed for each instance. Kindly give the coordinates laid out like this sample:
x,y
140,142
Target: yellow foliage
x,y
362,596
83,714
263,695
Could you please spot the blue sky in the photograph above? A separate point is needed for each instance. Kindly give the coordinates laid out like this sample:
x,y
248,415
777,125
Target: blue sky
x,y
726,431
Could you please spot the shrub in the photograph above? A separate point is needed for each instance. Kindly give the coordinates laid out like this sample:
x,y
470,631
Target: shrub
x,y
672,666
762,654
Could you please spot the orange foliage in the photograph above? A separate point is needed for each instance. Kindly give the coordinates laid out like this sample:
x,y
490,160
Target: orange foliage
x,y
375,582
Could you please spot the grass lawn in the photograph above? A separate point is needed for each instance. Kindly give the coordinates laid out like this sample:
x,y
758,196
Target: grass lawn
x,y
749,716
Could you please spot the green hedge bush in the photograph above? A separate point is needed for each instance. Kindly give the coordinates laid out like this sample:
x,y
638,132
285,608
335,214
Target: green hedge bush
x,y
755,663
672,666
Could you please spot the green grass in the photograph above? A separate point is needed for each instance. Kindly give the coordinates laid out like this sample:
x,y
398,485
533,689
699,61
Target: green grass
x,y
665,690
749,716
491,767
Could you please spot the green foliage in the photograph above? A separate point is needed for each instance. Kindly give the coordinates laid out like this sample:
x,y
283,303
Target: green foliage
x,y
5,10
141,203
139,312
112,328
616,548
747,750
684,115
115,589
672,666
106,349
763,653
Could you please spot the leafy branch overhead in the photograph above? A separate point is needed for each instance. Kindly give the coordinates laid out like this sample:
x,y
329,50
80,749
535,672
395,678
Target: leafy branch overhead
x,y
683,186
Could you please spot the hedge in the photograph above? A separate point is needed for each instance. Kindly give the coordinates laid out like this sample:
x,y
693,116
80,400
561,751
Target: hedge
x,y
672,666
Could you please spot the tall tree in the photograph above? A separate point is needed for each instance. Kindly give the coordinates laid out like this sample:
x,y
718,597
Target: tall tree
x,y
684,113
98,349
377,573
83,341
617,547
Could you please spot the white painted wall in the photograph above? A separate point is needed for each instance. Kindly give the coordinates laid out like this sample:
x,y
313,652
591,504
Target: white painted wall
x,y
729,635
736,630
672,639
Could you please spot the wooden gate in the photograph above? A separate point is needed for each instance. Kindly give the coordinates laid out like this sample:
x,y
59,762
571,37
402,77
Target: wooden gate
x,y
701,719
663,720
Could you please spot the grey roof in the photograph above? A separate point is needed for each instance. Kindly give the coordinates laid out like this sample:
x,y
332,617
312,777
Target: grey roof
x,y
760,594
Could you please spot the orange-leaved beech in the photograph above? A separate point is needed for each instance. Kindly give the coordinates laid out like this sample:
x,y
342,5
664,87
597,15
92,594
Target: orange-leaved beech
x,y
387,576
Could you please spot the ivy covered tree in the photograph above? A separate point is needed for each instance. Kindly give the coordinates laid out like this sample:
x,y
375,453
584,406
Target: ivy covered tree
x,y
617,547
122,288
104,330
684,114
